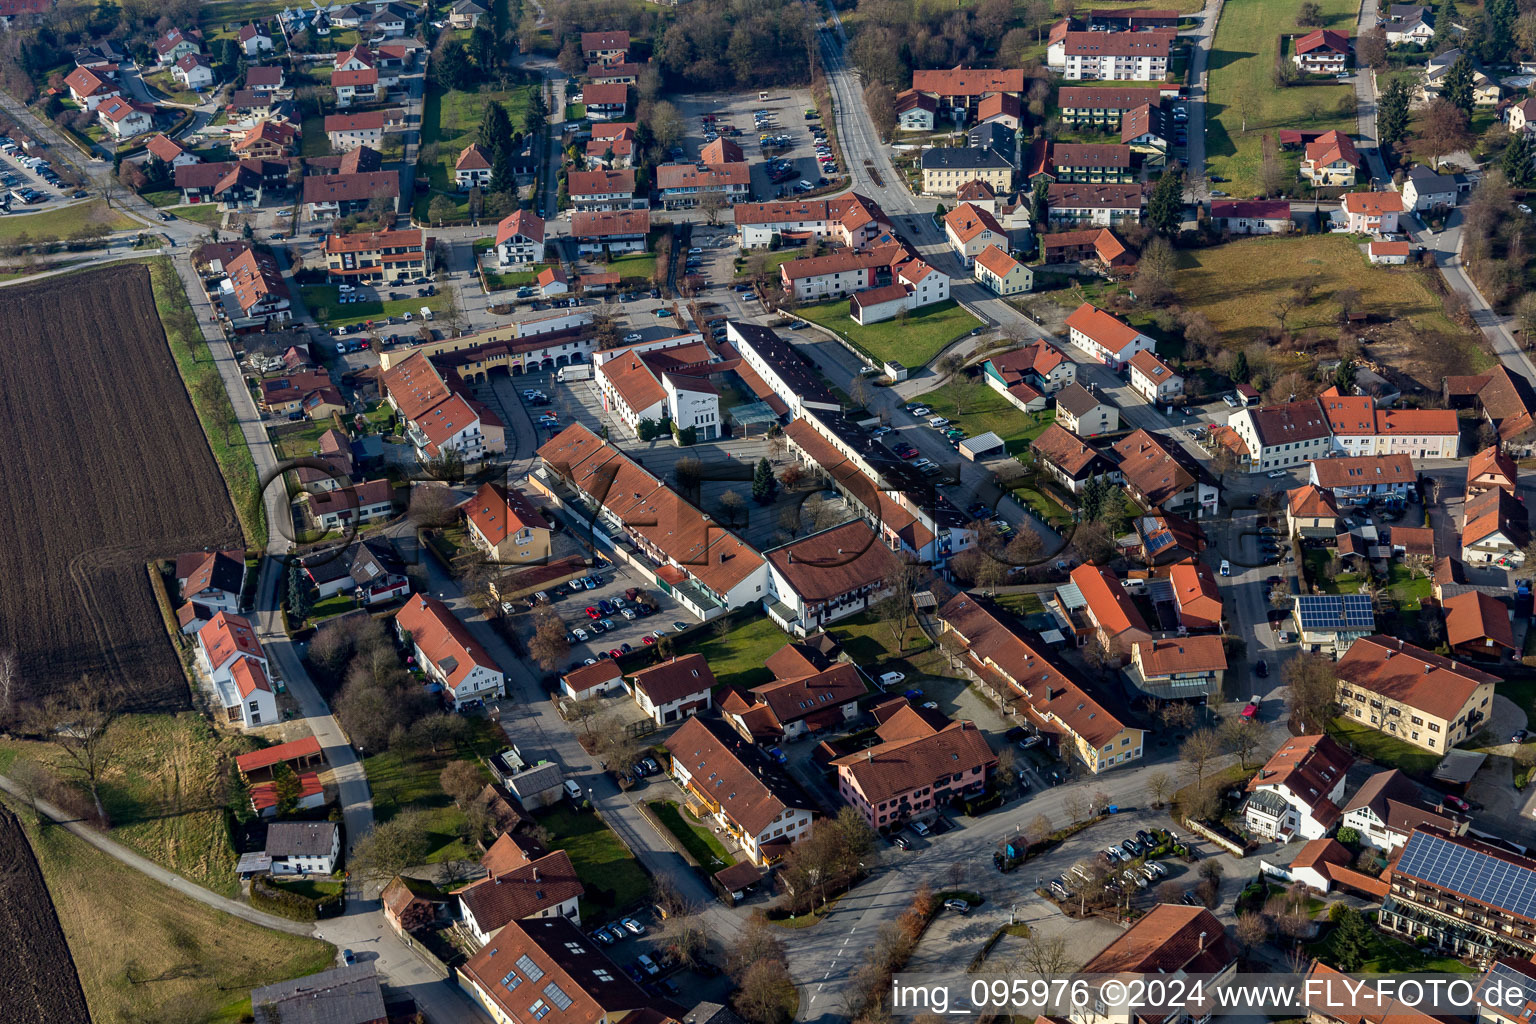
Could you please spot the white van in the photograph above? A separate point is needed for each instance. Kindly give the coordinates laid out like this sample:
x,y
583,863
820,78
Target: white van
x,y
892,678
572,790
426,313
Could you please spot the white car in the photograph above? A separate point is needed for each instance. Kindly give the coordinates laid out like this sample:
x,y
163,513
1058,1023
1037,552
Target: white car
x,y
1276,474
1231,402
631,337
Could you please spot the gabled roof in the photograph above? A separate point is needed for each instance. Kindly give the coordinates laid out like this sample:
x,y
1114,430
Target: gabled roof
x,y
498,511
226,636
712,756
1373,204
1323,40
1059,445
1332,147
1149,366
216,570
443,639
1196,594
826,565
545,956
1493,461
914,753
675,679
600,182
1108,604
1308,502
1293,421
1157,471
1364,470
997,261
1109,331
967,221
609,224
1169,939
527,890
473,158
1309,767
524,222
1398,802
1177,655
1410,675
963,81
1078,400
1473,617
793,699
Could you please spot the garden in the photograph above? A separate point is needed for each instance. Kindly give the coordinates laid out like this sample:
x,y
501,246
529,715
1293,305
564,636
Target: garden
x,y
913,340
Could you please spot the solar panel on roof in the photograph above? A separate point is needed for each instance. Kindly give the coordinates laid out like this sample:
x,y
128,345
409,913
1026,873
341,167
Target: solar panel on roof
x,y
1336,611
1435,860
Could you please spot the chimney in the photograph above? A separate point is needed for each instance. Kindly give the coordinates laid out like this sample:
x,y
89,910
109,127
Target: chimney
x,y
1202,942
791,557
536,874
869,755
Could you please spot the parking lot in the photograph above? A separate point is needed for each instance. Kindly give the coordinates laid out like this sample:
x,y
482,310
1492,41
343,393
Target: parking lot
x,y
785,116
643,956
29,181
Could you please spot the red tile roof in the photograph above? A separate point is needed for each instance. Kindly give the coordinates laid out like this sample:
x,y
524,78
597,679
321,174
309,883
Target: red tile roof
x,y
293,750
443,639
1108,604
675,679
1109,331
227,635
720,774
1406,674
913,753
962,81
1181,654
1474,617
1169,939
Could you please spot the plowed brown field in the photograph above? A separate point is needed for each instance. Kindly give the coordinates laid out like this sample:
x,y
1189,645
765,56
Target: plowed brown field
x,y
102,467
38,982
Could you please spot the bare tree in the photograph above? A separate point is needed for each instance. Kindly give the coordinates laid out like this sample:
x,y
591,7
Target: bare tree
x,y
1049,955
1076,806
79,723
1240,737
10,683
1197,752
1313,690
1159,785
1252,931
462,781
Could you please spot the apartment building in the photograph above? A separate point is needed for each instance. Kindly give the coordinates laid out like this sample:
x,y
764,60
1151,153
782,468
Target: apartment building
x,y
1421,698
377,257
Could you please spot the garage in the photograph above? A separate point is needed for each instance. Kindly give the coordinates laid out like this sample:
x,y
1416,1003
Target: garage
x,y
983,446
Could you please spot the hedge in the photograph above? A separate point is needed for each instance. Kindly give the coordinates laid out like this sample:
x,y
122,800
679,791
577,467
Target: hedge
x,y
286,903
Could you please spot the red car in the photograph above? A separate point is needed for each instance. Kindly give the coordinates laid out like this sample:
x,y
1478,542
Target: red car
x,y
593,613
648,640
615,653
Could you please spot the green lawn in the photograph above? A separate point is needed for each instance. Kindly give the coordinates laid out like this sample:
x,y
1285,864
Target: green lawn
x,y
1386,955
321,300
614,880
207,214
295,444
913,342
314,141
575,111
309,888
497,280
771,262
699,841
1384,749
400,780
170,197
979,408
738,657
637,266
868,640
450,121
1244,102
218,419
61,223
169,89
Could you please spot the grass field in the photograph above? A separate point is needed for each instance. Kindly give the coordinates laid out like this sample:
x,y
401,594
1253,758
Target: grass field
x,y
63,222
1386,955
217,418
738,657
296,444
451,121
637,266
206,214
401,781
1236,286
914,342
141,948
170,197
1385,750
164,83
869,640
986,409
700,843
314,141
1242,91
771,262
497,280
602,862
323,305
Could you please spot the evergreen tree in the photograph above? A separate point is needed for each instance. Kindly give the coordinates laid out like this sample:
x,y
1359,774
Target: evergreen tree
x,y
1458,84
502,178
495,129
1344,377
1165,206
299,602
538,113
764,486
453,68
1392,113
1517,161
1351,938
1240,369
482,49
1040,202
1500,34
287,788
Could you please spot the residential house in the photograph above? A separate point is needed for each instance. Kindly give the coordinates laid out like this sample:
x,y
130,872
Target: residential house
x,y
89,88
413,904
1495,528
810,693
466,14
603,190
1145,130
1372,213
520,239
1070,459
732,783
1111,615
1351,477
175,45
1331,623
125,118
311,795
826,576
1096,205
1093,245
1492,469
370,571
1441,896
662,384
1111,56
520,884
1094,164
357,88
1477,625
958,92
267,140
920,764
1101,107
1179,668
328,196
1196,597
165,149
303,847
1003,274
229,652
605,47
213,579
1421,698
1424,189
1154,380
1521,116
617,232
683,186
332,510
1172,942
625,73
945,169
1071,715
1311,512
1161,476
598,679
504,524
1359,427
473,168
1331,161
970,229
915,111
1280,436
1168,538
1025,376
256,286
377,257
437,417
850,220
254,40
1299,791
1252,216
612,145
1105,337
672,690
606,102
570,979
342,995
1409,25
285,395
1388,806
1486,91
444,648
1388,254
1321,52
1086,413
1506,401
1003,109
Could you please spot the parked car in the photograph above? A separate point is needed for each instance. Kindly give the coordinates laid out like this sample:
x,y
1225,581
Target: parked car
x,y
958,906
632,926
920,829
